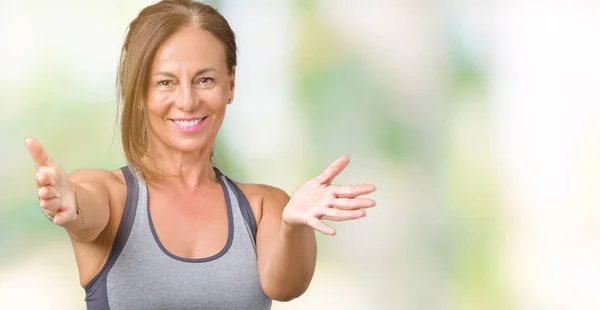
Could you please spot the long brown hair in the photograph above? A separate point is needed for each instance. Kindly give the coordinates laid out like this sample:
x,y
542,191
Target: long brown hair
x,y
153,26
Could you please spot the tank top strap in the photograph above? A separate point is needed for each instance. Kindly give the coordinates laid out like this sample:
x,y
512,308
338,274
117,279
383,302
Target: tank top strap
x,y
244,206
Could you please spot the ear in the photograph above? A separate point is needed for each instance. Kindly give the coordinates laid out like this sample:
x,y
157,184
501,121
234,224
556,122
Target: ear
x,y
232,83
140,105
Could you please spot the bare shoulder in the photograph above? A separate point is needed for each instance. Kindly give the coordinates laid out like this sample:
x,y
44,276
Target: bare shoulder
x,y
264,198
98,176
266,193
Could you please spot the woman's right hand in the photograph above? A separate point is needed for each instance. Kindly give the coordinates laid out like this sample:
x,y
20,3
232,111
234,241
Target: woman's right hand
x,y
56,197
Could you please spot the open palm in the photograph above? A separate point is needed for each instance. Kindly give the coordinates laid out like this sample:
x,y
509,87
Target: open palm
x,y
317,200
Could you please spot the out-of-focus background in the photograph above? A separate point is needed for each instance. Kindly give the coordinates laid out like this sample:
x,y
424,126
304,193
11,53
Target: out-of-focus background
x,y
479,121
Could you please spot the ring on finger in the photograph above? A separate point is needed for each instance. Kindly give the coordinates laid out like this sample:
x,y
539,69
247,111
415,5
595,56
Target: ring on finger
x,y
50,217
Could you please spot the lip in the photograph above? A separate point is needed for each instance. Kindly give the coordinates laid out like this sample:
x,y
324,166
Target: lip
x,y
189,124
187,118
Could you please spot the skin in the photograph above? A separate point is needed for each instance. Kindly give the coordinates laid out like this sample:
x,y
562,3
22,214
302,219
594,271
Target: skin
x,y
189,79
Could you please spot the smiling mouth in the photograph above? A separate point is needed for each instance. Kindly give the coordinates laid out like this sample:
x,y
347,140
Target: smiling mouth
x,y
189,125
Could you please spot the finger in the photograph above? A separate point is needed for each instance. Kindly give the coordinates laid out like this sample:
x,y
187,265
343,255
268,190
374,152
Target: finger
x,y
333,170
342,215
353,204
352,191
63,217
47,192
37,152
44,177
49,214
318,225
50,204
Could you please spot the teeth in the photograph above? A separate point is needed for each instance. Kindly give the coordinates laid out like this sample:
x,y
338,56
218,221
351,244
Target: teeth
x,y
188,123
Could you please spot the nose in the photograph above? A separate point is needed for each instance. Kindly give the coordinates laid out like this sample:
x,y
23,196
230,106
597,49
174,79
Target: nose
x,y
187,100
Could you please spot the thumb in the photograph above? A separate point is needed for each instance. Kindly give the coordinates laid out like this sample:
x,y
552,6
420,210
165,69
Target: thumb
x,y
37,152
333,170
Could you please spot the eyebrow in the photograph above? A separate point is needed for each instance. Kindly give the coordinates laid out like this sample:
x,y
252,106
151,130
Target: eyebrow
x,y
199,72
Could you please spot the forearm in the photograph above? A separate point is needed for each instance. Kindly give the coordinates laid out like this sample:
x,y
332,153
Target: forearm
x,y
92,209
291,263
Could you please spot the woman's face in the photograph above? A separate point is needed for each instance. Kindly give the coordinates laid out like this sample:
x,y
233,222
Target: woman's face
x,y
188,92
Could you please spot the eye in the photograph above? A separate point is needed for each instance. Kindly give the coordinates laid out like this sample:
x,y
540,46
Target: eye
x,y
205,80
164,83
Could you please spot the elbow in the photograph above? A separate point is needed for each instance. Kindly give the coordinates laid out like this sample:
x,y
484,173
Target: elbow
x,y
283,297
85,236
285,294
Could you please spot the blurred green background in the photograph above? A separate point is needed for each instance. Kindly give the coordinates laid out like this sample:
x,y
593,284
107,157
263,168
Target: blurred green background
x,y
479,121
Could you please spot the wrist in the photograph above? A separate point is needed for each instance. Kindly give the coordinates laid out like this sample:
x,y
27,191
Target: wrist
x,y
73,205
291,229
78,213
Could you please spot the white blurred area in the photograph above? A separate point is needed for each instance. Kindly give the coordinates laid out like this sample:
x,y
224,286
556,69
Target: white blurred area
x,y
539,131
546,109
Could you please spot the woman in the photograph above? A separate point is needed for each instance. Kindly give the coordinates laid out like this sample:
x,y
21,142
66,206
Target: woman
x,y
170,231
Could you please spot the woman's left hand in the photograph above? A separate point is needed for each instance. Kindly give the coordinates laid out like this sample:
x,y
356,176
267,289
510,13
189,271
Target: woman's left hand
x,y
318,200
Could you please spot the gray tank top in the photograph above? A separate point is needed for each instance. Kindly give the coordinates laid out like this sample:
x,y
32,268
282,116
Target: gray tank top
x,y
141,274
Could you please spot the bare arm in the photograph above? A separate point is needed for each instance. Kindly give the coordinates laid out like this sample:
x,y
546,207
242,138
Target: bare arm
x,y
92,196
286,255
286,242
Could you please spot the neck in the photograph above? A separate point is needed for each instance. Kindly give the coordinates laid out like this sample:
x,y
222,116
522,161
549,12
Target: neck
x,y
187,171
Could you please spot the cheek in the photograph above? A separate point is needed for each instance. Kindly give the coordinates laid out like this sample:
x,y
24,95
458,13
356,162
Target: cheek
x,y
216,101
156,104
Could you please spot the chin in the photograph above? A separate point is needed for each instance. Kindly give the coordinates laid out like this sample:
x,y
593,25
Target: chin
x,y
190,145
173,141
